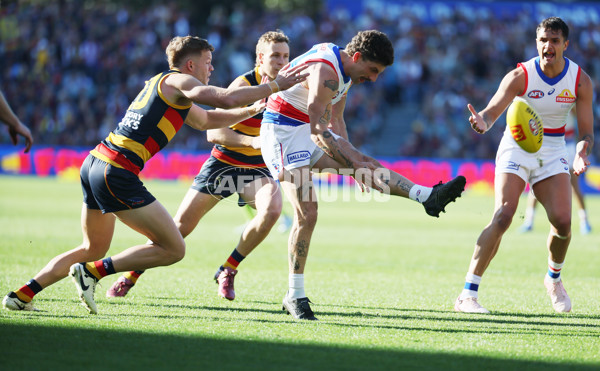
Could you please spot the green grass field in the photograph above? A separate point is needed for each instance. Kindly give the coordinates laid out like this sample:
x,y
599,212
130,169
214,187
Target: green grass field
x,y
383,278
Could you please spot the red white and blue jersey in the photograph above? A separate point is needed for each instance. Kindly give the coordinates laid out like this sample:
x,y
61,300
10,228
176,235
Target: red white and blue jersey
x,y
290,107
552,98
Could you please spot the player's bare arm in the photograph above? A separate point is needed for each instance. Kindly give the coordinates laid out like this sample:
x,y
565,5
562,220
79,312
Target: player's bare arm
x,y
323,85
338,124
512,85
585,124
201,119
227,136
15,126
188,88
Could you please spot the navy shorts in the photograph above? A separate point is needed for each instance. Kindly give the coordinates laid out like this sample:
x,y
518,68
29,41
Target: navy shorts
x,y
220,179
109,188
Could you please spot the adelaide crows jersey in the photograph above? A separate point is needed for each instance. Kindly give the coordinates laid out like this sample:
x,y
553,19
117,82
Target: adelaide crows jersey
x,y
246,157
149,124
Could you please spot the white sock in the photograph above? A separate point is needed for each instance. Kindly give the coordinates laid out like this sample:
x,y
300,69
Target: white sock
x,y
472,282
554,270
296,286
582,215
419,193
529,215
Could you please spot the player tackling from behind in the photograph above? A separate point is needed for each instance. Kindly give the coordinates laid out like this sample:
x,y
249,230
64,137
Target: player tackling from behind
x,y
109,175
552,85
234,158
303,130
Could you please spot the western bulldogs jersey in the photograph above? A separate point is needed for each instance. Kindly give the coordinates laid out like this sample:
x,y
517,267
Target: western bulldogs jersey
x,y
551,98
290,107
147,127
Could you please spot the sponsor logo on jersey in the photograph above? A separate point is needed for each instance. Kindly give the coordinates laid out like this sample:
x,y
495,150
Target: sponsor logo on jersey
x,y
535,94
565,96
551,91
563,161
298,156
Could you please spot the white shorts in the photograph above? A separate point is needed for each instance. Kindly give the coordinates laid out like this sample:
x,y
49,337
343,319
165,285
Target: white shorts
x,y
550,160
288,147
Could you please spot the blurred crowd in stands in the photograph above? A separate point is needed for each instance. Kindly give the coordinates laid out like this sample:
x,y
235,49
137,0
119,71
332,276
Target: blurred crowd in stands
x,y
69,69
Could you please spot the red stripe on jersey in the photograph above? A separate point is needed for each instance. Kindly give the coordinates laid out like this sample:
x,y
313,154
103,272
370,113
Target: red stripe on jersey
x,y
526,78
251,122
152,146
100,267
118,158
577,80
321,60
560,130
174,118
284,108
232,161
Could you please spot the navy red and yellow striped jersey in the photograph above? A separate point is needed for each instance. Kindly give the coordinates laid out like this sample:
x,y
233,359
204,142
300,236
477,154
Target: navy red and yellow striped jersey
x,y
149,124
246,157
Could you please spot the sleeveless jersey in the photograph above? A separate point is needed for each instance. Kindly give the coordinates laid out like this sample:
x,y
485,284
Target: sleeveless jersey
x,y
290,107
246,157
147,127
551,98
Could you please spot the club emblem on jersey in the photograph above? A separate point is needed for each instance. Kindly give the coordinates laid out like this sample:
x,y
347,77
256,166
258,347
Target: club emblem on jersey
x,y
565,96
535,94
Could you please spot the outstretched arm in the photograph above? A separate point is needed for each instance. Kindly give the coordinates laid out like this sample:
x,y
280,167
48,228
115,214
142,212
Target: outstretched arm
x,y
585,124
201,119
192,89
512,85
230,138
15,126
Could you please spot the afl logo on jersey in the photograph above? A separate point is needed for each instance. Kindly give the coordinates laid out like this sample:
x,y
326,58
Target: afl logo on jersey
x,y
535,94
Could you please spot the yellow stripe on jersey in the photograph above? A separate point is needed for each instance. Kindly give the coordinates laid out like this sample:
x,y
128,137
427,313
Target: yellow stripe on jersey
x,y
131,145
248,130
160,93
167,128
100,156
248,151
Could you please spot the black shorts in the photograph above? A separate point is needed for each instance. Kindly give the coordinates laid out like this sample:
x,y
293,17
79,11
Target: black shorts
x,y
109,188
220,179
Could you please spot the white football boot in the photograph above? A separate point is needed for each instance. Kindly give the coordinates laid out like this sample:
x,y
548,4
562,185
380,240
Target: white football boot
x,y
86,286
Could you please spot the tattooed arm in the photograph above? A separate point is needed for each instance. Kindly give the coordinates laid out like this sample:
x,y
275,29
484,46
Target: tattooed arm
x,y
322,86
338,125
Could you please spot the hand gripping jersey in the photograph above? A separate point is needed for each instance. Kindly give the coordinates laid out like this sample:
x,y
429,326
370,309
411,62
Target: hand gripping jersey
x,y
290,107
246,157
552,98
147,127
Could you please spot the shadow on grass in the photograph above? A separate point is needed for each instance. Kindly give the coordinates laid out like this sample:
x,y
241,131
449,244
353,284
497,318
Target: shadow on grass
x,y
24,346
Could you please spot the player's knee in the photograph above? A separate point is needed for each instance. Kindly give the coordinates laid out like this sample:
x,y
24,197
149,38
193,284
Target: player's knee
x,y
562,224
308,217
175,252
271,215
503,217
